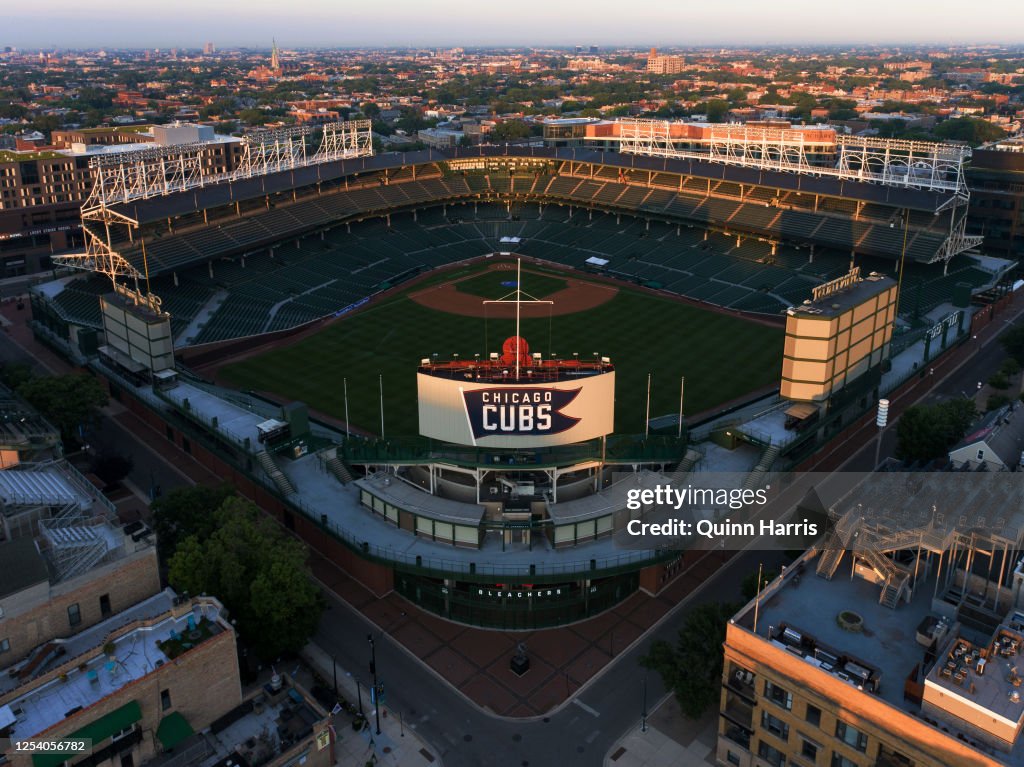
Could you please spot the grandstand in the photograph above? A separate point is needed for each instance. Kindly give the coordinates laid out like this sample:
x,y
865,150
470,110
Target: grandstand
x,y
259,254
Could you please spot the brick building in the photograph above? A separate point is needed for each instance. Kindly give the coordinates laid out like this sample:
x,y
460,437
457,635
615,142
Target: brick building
x,y
42,190
161,680
893,641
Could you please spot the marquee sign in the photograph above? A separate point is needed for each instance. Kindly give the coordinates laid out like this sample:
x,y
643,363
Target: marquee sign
x,y
948,321
518,414
519,411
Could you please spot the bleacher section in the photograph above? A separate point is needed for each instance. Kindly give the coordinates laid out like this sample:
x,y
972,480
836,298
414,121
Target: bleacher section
x,y
39,487
302,279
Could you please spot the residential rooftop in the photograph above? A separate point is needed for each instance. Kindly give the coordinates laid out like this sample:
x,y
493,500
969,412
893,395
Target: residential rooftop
x,y
800,612
135,654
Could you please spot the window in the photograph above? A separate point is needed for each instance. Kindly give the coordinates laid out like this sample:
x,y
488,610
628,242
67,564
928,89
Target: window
x,y
778,695
105,605
732,758
165,699
851,736
838,760
809,749
771,755
813,716
981,455
774,725
127,760
74,614
5,645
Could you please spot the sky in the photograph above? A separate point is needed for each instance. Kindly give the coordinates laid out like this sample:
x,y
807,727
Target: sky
x,y
439,23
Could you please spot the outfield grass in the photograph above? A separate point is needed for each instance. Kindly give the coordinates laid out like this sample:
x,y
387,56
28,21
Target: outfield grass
x,y
722,357
489,284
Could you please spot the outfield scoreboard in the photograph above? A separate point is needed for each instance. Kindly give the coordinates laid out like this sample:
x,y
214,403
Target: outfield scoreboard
x,y
465,408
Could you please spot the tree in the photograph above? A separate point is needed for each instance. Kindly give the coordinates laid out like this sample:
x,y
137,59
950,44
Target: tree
x,y
716,110
14,374
510,130
69,402
996,401
749,585
1013,342
111,467
258,572
927,432
186,511
970,129
692,668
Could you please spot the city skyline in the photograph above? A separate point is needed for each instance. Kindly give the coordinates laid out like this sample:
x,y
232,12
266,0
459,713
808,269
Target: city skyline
x,y
448,23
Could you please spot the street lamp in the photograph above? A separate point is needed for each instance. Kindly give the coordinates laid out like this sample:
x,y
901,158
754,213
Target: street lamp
x,y
881,419
643,714
376,686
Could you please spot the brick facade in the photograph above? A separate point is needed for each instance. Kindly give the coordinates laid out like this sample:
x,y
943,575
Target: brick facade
x,y
203,684
41,613
887,728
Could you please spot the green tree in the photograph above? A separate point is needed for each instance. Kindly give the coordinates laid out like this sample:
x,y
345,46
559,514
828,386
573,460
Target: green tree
x,y
692,668
253,116
716,110
186,511
68,402
1013,341
14,374
748,587
258,572
969,129
996,401
927,432
509,130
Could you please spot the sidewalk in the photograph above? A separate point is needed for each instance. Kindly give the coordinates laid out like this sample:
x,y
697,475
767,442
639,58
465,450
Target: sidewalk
x,y
671,740
396,746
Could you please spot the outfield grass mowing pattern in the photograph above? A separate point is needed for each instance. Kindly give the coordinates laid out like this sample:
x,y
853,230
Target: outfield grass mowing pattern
x,y
722,357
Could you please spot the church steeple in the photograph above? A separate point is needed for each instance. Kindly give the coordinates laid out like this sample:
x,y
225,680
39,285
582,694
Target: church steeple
x,y
275,59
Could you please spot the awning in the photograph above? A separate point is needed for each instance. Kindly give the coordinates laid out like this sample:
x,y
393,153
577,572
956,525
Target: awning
x,y
173,729
801,410
97,731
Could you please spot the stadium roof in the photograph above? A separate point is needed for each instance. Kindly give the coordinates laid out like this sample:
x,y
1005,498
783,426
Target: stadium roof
x,y
215,195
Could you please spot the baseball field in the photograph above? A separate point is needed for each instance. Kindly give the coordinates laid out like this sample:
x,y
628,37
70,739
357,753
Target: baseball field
x,y
722,356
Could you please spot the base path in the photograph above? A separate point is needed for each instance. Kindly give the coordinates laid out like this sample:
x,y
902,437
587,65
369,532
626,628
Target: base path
x,y
578,296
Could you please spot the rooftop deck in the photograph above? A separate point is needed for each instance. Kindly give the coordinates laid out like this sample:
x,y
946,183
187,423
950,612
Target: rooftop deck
x,y
892,644
135,655
810,604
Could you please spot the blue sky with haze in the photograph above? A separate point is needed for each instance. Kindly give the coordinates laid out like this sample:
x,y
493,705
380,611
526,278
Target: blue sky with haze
x,y
431,23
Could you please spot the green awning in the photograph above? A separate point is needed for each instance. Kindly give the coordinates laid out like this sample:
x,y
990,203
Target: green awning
x,y
173,729
97,731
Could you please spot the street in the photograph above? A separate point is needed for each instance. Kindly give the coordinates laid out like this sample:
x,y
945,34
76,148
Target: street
x,y
583,730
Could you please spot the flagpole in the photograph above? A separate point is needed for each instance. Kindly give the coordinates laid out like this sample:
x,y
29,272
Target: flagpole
x,y
647,418
519,297
682,384
757,597
344,383
380,378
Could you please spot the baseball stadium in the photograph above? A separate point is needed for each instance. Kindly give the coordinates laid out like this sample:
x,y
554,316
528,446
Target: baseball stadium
x,y
443,369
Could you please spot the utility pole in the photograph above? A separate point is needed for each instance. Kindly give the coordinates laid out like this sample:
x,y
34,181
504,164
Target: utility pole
x,y
643,713
376,687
